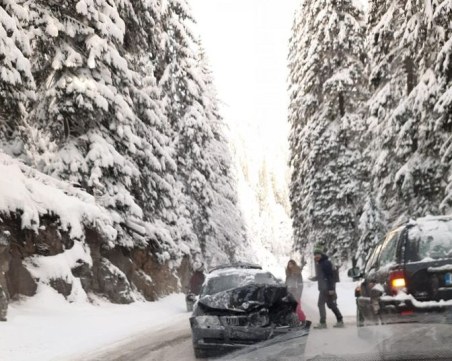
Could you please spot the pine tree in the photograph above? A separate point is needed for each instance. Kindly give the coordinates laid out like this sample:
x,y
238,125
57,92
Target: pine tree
x,y
442,111
155,160
183,88
405,39
16,80
84,100
372,228
327,88
228,234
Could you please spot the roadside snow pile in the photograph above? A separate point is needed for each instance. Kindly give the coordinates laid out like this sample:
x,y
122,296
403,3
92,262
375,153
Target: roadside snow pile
x,y
57,235
33,194
46,327
50,268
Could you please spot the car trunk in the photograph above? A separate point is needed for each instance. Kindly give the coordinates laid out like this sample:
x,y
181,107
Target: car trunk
x,y
430,281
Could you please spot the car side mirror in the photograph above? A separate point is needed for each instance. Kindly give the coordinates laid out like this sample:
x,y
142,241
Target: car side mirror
x,y
354,273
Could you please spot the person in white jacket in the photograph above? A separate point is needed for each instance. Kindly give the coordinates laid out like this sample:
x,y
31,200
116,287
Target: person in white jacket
x,y
294,280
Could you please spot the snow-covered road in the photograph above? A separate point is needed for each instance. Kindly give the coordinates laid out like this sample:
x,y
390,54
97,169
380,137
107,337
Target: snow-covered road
x,y
173,341
47,328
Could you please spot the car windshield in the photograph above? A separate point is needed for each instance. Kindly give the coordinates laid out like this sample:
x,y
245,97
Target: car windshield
x,y
430,241
227,281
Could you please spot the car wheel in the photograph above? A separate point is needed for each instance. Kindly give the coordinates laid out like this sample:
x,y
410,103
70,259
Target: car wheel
x,y
199,353
189,307
359,317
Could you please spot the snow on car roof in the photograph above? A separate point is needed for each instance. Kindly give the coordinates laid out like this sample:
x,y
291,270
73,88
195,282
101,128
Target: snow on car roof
x,y
237,265
229,278
434,237
234,271
430,219
433,224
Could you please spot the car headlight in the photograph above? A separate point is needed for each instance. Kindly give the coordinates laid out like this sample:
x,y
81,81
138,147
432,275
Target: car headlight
x,y
259,319
206,321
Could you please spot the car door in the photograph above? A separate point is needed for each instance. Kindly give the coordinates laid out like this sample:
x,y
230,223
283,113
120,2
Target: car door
x,y
370,269
388,260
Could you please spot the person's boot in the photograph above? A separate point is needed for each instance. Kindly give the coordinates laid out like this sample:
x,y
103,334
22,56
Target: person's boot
x,y
320,326
339,324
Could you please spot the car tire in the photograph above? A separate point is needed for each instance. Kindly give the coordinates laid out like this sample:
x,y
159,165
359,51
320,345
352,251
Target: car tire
x,y
359,317
199,353
189,307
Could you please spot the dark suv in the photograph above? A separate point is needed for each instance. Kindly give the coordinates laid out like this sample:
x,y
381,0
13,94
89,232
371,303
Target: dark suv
x,y
408,277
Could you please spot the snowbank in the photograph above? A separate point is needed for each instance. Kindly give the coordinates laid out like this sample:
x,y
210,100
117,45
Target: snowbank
x,y
33,194
46,327
49,268
77,246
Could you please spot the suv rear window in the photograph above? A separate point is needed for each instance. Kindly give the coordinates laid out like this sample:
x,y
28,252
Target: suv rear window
x,y
430,241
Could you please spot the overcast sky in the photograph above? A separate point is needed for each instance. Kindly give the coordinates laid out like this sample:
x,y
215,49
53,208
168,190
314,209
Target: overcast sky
x,y
247,45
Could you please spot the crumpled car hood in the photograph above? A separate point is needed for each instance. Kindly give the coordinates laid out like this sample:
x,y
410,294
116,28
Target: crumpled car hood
x,y
249,298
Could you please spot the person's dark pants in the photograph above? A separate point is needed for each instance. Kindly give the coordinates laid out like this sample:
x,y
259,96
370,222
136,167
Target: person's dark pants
x,y
330,301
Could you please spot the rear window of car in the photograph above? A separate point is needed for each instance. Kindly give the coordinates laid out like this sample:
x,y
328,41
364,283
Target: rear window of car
x,y
229,281
430,241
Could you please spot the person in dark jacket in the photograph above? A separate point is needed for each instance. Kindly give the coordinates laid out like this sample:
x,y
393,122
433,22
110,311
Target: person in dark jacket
x,y
294,280
324,275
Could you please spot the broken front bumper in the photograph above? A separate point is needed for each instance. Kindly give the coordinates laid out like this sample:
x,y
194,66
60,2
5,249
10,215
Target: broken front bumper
x,y
216,336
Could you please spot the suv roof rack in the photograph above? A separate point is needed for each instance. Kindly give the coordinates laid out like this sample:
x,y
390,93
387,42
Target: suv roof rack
x,y
236,265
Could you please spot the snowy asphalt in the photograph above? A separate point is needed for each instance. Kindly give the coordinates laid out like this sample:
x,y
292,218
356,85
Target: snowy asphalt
x,y
173,342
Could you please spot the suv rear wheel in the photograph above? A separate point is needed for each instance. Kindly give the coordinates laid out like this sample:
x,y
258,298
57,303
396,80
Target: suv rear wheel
x,y
199,353
359,318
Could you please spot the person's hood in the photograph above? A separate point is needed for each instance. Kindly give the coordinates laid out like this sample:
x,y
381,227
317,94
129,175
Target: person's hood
x,y
248,298
323,258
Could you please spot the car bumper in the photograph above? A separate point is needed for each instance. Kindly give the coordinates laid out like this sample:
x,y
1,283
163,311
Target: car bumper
x,y
409,311
217,339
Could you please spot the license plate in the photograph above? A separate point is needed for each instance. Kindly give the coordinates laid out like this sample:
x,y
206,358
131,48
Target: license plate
x,y
448,279
232,321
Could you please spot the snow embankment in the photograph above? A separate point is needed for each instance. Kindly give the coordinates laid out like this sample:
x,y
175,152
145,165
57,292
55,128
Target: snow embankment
x,y
46,327
33,195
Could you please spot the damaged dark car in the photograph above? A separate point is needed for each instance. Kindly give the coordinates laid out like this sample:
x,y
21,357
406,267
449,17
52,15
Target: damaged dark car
x,y
241,306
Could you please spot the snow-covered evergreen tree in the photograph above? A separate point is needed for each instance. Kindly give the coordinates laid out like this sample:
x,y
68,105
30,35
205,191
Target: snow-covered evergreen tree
x,y
228,233
405,39
16,80
327,89
372,228
442,111
84,99
183,88
160,194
